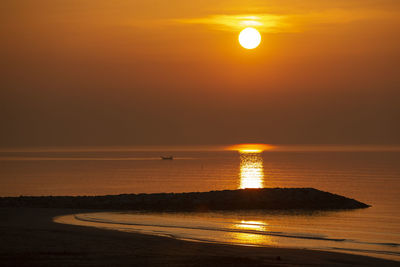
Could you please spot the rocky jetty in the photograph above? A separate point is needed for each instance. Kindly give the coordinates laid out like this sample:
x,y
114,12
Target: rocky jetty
x,y
242,199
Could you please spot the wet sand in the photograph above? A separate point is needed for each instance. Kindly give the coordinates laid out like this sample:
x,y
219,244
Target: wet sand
x,y
29,237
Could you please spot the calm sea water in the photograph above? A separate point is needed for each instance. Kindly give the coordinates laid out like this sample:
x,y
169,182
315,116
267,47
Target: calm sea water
x,y
370,177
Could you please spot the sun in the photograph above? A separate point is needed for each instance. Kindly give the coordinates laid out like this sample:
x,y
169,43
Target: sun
x,y
249,38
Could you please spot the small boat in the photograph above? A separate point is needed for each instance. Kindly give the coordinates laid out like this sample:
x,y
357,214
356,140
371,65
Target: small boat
x,y
167,157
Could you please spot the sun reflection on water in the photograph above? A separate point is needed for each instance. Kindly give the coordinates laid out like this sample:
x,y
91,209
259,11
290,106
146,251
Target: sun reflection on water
x,y
251,170
252,233
251,225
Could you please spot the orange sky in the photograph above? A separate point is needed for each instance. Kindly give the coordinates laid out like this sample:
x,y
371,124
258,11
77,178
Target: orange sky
x,y
94,72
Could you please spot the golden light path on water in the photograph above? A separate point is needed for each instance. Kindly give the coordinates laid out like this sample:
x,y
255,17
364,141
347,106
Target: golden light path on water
x,y
251,170
250,238
251,176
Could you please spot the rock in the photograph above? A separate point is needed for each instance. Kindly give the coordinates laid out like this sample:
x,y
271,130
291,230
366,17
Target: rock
x,y
242,199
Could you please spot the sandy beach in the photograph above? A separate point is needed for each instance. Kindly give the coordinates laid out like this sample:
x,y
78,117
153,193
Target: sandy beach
x,y
31,238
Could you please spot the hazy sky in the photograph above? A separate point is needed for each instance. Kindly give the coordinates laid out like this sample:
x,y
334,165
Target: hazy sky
x,y
97,72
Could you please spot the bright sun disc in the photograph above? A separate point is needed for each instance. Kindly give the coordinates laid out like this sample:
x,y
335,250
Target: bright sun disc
x,y
249,38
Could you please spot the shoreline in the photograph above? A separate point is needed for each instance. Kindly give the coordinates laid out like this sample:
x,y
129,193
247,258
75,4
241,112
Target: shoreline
x,y
31,238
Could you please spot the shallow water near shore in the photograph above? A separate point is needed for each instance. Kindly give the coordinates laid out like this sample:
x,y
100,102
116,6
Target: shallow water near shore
x,y
370,177
333,231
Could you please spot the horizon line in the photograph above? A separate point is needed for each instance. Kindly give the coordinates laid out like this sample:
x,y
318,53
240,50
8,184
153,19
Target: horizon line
x,y
225,147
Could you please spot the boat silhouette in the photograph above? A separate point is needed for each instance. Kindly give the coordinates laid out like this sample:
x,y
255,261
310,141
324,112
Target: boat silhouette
x,y
167,157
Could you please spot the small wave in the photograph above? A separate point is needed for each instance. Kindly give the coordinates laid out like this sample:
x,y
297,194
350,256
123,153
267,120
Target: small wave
x,y
227,233
378,244
265,233
384,252
308,236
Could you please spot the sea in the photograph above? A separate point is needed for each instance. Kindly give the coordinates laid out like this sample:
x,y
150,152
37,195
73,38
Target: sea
x,y
371,176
